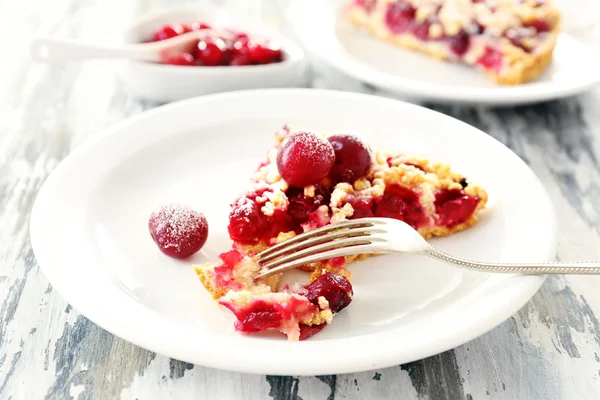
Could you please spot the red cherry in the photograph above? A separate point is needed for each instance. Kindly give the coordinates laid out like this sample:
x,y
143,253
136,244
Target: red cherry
x,y
421,31
540,25
454,207
264,53
353,158
307,331
242,37
178,231
240,59
399,16
363,208
459,43
304,159
210,51
401,203
197,26
181,59
246,221
194,26
335,288
300,206
240,46
368,5
167,32
491,59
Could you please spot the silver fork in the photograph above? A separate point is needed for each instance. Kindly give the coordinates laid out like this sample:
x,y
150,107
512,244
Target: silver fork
x,y
383,236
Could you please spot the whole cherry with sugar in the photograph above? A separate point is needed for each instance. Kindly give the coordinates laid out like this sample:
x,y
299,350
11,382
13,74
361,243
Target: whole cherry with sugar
x,y
304,158
177,230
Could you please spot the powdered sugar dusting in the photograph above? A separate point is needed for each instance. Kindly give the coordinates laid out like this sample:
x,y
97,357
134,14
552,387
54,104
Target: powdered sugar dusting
x,y
243,208
313,145
304,158
178,230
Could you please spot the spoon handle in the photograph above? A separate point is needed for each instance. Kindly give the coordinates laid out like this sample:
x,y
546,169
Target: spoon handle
x,y
571,268
48,50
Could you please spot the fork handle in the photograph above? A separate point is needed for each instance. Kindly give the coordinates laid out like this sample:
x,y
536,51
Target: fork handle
x,y
571,267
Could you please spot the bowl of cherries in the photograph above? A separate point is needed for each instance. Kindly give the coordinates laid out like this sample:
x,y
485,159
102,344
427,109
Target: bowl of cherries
x,y
228,55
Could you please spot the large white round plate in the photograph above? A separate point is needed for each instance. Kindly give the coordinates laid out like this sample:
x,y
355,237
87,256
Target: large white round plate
x,y
89,233
324,32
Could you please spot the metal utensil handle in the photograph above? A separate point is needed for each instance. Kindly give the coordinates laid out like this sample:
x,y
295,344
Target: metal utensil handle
x,y
571,267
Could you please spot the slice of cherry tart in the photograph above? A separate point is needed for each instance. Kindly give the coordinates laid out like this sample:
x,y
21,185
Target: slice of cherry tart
x,y
309,180
511,40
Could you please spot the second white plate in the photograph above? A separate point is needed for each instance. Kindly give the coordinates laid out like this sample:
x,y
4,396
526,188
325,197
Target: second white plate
x,y
325,33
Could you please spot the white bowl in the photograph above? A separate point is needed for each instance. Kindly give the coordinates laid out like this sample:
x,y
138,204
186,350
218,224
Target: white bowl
x,y
167,83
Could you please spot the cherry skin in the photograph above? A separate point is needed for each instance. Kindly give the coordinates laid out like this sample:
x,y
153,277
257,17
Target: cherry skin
x,y
240,59
182,59
491,59
210,51
335,288
246,220
177,230
304,159
307,331
400,16
264,53
167,32
300,206
353,158
459,44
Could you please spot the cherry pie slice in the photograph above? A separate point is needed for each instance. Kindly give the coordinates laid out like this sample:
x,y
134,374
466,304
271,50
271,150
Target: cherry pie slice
x,y
328,178
511,40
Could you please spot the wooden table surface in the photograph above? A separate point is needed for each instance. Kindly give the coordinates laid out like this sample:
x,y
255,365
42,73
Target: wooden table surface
x,y
550,349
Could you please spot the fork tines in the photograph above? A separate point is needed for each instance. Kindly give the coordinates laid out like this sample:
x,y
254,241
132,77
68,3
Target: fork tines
x,y
319,244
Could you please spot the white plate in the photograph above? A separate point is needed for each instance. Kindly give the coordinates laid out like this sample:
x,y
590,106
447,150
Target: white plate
x,y
88,232
325,33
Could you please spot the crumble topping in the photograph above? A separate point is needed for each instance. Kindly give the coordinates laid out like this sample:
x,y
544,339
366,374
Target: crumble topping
x,y
323,303
424,177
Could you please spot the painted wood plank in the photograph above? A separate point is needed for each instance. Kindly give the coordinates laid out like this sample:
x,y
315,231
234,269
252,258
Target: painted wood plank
x,y
549,350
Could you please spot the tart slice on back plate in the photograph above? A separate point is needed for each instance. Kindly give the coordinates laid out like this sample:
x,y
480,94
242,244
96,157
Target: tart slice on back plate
x,y
510,40
309,180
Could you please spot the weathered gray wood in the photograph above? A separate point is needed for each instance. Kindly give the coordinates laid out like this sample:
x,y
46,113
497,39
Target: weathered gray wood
x,y
549,350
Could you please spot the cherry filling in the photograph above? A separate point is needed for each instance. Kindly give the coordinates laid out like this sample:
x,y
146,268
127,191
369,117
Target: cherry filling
x,y
307,331
454,207
491,59
460,43
401,203
335,288
367,5
300,206
224,273
262,315
400,18
363,207
246,221
278,223
540,25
